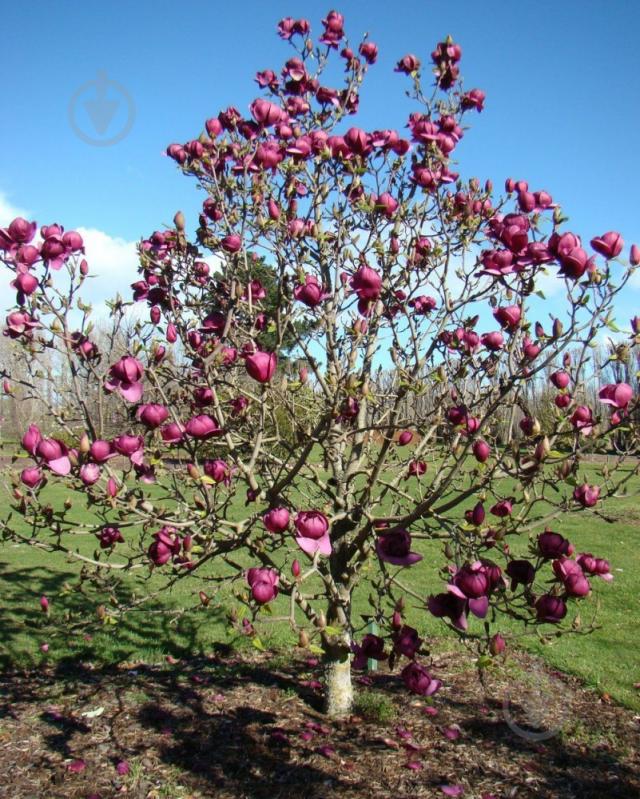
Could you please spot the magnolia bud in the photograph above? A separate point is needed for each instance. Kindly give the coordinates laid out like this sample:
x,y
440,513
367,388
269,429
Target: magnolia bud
x,y
84,268
558,328
295,568
321,621
112,487
84,445
44,604
542,449
194,473
497,645
303,639
204,599
101,612
178,221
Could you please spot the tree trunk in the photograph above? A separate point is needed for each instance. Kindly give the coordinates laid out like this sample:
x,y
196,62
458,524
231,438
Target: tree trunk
x,y
337,657
338,698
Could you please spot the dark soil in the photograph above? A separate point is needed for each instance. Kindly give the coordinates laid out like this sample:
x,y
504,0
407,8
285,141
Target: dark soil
x,y
250,727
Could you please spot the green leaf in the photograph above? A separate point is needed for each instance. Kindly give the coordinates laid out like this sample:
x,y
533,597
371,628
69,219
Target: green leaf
x,y
258,644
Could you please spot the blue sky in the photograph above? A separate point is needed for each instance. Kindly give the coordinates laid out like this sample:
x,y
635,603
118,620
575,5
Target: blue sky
x,y
562,109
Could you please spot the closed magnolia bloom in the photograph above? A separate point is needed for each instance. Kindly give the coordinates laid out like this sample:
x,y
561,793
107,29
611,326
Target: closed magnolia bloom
x,y
609,244
481,450
31,439
508,317
366,283
417,469
263,584
310,292
261,366
418,680
219,471
26,283
502,508
231,243
530,427
394,546
202,427
497,645
152,415
493,341
100,451
89,473
408,64
172,433
550,608
476,515
312,532
586,495
563,400
276,520
553,545
618,395
31,476
405,437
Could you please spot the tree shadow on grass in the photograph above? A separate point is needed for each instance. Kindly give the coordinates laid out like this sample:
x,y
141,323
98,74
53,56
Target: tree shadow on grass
x,y
73,631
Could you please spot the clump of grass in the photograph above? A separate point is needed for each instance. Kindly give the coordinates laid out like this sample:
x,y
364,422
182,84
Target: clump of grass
x,y
374,706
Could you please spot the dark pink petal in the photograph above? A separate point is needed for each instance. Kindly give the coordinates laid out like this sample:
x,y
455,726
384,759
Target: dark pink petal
x,y
76,766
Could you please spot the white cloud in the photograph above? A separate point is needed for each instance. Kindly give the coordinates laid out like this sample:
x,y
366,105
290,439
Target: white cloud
x,y
113,264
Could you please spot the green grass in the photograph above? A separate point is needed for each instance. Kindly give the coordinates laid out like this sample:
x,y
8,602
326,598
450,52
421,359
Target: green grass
x,y
605,659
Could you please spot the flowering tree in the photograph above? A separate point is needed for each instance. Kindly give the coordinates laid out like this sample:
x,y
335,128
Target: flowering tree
x,y
408,302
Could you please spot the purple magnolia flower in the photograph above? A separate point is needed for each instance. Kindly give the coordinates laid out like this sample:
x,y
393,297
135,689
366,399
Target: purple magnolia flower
x,y
521,572
276,520
261,366
54,454
407,642
31,476
586,495
553,545
418,680
394,546
219,471
312,529
310,292
152,415
598,567
372,646
618,395
109,537
263,584
550,608
165,546
202,427
125,376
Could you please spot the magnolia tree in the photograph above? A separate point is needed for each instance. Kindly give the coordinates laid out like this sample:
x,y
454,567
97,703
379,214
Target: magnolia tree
x,y
299,437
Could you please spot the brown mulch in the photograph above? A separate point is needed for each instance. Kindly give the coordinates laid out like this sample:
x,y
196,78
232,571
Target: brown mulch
x,y
250,726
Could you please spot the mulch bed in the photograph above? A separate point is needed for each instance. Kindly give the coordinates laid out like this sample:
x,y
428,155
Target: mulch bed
x,y
236,726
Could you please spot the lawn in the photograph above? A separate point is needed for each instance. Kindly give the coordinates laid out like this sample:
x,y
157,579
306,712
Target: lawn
x,y
605,659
